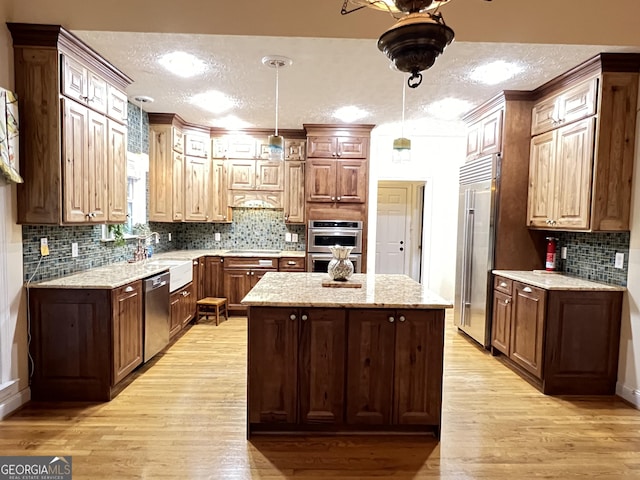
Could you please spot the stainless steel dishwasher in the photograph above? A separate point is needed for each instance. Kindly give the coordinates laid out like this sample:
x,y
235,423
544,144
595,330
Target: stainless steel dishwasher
x,y
156,314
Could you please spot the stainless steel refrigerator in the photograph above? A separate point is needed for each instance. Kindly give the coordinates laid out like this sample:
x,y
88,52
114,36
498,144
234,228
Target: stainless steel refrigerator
x,y
479,181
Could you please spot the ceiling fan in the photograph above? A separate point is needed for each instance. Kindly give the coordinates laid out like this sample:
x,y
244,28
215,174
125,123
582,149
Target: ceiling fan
x,y
417,38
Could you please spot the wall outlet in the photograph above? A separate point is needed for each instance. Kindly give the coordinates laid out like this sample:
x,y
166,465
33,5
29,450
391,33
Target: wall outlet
x,y
294,237
287,237
74,249
563,253
169,237
217,236
619,263
157,238
44,247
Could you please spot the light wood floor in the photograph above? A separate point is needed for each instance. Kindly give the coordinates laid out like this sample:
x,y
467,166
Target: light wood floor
x,y
184,418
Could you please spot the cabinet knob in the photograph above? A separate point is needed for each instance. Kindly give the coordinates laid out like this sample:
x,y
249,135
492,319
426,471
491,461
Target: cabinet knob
x,y
247,273
391,319
291,262
401,318
507,301
333,199
292,316
338,198
195,262
503,285
304,318
128,289
527,290
251,273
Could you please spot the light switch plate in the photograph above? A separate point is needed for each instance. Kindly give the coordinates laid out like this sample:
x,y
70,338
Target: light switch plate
x,y
287,237
74,249
563,253
169,237
216,236
619,260
294,237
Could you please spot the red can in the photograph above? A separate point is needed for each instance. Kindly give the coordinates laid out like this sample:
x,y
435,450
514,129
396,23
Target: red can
x,y
550,264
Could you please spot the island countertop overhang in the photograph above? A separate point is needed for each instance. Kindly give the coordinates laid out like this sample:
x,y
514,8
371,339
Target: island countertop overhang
x,y
297,289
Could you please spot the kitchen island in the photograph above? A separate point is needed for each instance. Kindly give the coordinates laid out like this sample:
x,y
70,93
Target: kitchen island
x,y
329,360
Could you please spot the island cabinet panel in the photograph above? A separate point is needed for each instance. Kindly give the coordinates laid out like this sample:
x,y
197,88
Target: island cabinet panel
x,y
321,362
370,367
418,367
272,363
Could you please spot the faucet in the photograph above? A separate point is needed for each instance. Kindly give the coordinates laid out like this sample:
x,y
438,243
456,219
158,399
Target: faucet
x,y
141,252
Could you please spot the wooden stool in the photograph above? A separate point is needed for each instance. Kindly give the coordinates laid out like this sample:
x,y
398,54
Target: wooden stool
x,y
210,306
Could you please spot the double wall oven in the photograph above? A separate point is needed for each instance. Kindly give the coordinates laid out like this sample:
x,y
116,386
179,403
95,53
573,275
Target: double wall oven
x,y
323,234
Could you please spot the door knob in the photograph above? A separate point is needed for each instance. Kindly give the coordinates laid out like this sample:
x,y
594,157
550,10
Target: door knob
x,y
401,249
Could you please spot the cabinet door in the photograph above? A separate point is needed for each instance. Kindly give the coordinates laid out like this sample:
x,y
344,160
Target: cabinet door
x,y
195,201
178,182
371,341
196,145
237,284
220,211
269,175
578,102
116,104
74,79
544,115
75,167
501,326
127,330
321,147
175,309
96,92
188,303
117,170
527,324
213,284
418,367
321,365
294,149
241,174
541,180
272,365
351,181
320,183
294,192
352,147
160,174
573,175
97,205
177,139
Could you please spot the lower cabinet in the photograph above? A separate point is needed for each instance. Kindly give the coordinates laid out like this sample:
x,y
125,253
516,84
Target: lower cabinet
x,y
333,369
84,341
182,308
241,274
291,264
213,279
199,277
562,341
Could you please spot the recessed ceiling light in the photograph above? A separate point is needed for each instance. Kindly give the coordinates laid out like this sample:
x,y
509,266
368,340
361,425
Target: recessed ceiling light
x,y
231,122
350,113
182,64
495,72
448,108
213,101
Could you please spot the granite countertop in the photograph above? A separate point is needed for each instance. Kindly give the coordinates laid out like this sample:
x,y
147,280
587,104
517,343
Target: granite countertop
x,y
118,274
555,281
288,289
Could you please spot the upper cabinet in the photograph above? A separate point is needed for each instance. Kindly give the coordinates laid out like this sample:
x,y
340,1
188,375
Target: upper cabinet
x,y
73,133
484,135
166,172
582,147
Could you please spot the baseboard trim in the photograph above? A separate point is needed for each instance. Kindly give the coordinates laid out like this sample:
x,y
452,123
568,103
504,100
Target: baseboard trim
x,y
12,403
629,394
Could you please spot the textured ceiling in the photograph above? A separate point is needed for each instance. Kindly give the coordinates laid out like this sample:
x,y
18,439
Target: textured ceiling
x,y
327,73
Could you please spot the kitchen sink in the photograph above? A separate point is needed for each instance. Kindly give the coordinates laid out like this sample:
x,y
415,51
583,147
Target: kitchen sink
x,y
180,271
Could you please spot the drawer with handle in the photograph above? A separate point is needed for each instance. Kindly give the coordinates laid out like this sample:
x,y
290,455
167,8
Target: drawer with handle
x,y
503,285
291,264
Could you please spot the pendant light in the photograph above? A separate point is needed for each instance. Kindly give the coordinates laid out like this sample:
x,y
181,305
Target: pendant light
x,y
276,142
402,145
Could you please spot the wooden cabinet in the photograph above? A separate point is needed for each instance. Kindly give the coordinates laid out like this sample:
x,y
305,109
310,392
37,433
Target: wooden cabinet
x,y
84,341
291,264
294,192
336,181
294,149
213,282
70,158
484,136
335,369
167,170
338,147
562,341
255,175
582,147
199,275
219,210
182,308
403,387
305,351
241,274
127,330
195,189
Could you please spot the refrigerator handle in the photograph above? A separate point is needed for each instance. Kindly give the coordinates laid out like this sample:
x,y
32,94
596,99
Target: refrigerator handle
x,y
468,266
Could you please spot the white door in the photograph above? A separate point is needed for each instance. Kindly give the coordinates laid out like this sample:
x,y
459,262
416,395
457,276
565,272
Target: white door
x,y
391,229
